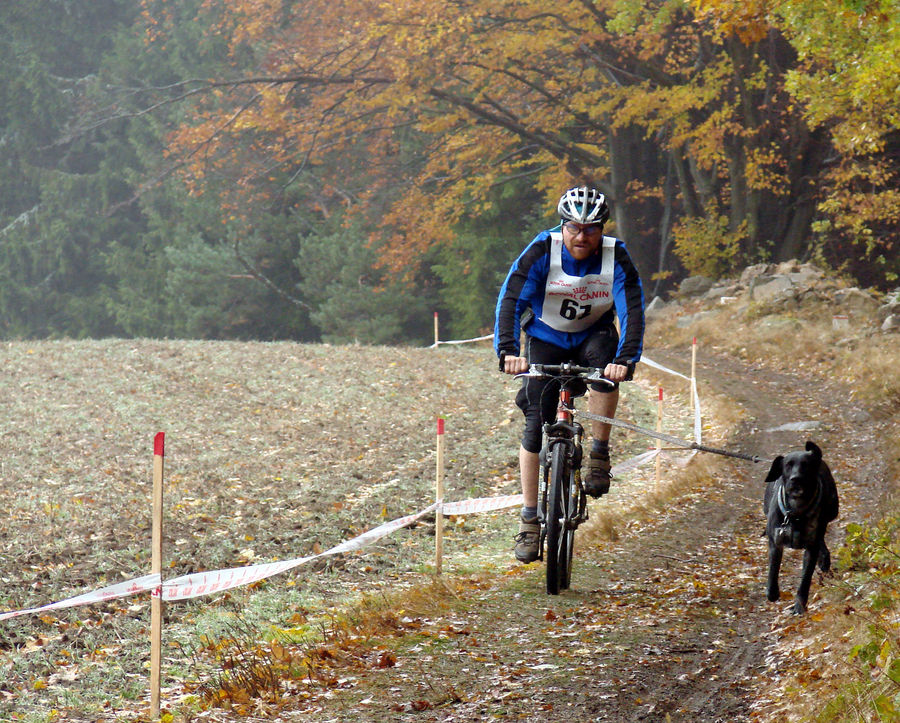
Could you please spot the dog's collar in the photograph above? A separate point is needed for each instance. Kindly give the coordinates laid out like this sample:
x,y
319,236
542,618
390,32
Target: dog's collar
x,y
789,514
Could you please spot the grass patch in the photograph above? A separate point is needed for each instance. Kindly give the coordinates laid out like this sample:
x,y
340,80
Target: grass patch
x,y
271,669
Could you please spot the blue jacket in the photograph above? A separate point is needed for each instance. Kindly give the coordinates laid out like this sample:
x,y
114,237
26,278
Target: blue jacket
x,y
524,289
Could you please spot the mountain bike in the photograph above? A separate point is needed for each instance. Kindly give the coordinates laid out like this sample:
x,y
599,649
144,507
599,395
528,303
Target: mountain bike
x,y
562,502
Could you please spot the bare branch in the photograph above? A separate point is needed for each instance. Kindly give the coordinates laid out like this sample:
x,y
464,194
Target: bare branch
x,y
258,275
300,79
575,157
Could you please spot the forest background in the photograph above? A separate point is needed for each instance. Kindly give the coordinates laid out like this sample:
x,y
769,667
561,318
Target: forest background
x,y
332,171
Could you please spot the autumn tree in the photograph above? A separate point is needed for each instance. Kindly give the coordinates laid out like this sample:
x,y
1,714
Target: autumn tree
x,y
846,81
192,174
679,112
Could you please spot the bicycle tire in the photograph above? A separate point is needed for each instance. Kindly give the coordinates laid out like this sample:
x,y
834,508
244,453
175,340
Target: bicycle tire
x,y
567,544
557,495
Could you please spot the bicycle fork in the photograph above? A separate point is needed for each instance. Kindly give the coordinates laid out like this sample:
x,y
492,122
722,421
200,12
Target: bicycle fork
x,y
572,442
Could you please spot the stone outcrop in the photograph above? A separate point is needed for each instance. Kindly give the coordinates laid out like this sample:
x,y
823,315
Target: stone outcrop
x,y
695,285
788,285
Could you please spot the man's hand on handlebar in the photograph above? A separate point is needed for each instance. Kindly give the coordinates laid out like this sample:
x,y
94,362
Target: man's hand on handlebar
x,y
616,372
515,364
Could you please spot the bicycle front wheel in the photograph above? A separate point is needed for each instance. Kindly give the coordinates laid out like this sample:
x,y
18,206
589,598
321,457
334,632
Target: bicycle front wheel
x,y
570,517
559,538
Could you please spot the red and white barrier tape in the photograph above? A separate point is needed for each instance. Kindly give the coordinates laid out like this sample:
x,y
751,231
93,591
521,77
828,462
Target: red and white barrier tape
x,y
121,589
214,581
697,417
462,341
207,583
698,427
660,367
633,463
482,504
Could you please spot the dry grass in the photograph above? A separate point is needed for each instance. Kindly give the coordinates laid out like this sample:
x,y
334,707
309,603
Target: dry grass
x,y
680,485
874,375
678,481
861,356
271,665
677,485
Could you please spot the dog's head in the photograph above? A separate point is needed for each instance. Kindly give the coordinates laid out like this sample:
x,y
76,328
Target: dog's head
x,y
799,472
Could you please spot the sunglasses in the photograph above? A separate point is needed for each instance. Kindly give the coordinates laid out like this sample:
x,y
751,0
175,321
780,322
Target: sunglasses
x,y
593,229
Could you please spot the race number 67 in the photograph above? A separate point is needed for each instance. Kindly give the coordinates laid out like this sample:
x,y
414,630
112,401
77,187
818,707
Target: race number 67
x,y
570,308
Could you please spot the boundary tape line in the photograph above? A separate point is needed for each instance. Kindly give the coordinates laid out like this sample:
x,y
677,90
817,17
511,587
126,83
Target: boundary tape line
x,y
461,341
698,425
213,581
122,589
209,582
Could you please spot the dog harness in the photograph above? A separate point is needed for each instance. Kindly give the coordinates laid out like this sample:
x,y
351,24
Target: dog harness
x,y
790,533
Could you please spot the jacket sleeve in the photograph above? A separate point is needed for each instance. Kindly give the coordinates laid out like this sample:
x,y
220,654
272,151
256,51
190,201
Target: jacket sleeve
x,y
628,295
515,294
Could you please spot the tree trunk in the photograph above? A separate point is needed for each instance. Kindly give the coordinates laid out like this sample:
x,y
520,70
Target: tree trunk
x,y
693,207
636,163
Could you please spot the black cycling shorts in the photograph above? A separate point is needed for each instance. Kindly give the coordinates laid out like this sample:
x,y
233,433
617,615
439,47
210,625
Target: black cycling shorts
x,y
538,398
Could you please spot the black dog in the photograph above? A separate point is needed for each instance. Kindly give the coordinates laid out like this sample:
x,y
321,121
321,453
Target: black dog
x,y
801,499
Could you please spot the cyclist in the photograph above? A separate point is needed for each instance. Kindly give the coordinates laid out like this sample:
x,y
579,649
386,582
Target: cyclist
x,y
565,290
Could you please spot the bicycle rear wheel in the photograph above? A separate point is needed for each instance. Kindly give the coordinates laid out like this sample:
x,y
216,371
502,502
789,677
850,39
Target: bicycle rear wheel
x,y
559,539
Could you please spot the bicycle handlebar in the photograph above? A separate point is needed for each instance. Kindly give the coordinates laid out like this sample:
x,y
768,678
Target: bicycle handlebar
x,y
589,374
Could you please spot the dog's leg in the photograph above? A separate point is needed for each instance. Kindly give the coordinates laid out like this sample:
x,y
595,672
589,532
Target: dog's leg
x,y
810,557
772,590
824,557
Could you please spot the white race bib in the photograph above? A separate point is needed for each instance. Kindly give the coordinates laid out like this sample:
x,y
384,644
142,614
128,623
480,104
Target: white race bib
x,y
575,303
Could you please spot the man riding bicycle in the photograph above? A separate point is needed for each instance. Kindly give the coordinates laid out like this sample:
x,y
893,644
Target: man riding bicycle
x,y
565,290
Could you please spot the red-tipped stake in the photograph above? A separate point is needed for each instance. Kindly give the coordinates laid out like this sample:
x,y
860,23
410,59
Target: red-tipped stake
x,y
439,498
159,446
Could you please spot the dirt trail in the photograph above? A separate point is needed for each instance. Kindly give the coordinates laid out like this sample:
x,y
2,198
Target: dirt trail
x,y
671,622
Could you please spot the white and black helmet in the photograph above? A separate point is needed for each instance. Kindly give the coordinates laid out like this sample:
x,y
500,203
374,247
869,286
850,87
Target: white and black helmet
x,y
583,205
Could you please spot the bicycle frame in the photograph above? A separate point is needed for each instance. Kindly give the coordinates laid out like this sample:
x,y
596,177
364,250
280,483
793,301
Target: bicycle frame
x,y
567,432
562,502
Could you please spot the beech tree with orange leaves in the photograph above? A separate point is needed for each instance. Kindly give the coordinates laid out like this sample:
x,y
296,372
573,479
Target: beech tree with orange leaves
x,y
421,138
413,113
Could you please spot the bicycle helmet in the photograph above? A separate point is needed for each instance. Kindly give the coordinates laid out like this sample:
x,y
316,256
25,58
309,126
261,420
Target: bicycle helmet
x,y
583,205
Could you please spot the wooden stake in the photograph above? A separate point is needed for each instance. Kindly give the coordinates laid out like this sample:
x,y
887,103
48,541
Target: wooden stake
x,y
659,416
436,330
693,372
439,498
156,567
